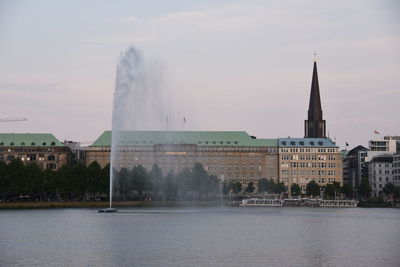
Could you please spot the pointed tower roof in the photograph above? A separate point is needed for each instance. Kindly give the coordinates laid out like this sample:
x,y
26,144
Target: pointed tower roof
x,y
315,99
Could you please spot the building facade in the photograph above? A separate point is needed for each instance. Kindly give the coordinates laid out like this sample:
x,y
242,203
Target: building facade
x,y
43,149
396,169
355,166
380,172
231,156
302,160
377,147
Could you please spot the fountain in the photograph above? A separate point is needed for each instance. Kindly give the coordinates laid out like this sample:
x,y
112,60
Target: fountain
x,y
139,103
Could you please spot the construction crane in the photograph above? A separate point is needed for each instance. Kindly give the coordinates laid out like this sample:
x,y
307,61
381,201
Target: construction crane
x,y
12,119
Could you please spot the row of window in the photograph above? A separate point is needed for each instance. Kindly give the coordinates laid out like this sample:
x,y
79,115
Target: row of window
x,y
307,157
308,165
309,172
309,150
304,181
32,157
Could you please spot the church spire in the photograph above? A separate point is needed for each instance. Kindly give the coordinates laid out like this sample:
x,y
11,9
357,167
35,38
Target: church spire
x,y
315,125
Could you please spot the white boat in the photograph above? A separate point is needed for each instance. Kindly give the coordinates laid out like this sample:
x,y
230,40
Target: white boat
x,y
261,202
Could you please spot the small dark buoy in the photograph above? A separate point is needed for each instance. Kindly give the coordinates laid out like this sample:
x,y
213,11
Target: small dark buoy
x,y
107,210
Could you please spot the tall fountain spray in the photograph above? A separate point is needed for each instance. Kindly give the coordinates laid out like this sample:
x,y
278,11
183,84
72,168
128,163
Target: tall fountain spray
x,y
139,102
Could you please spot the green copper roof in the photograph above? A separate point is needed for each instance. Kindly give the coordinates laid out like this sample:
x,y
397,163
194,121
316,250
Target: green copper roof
x,y
28,139
200,138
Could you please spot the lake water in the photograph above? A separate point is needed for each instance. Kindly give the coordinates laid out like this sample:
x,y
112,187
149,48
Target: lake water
x,y
201,237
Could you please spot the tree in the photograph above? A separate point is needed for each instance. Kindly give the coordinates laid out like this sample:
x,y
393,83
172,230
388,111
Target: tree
x,y
396,192
170,188
140,180
313,189
295,189
225,188
156,179
364,189
105,180
388,189
347,190
93,183
279,188
332,190
262,185
235,186
250,187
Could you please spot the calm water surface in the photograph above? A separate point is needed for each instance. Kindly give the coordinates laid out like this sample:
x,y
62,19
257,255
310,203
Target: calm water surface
x,y
201,237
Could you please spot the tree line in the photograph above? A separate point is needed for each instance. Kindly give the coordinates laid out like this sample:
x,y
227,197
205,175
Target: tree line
x,y
80,182
190,184
29,182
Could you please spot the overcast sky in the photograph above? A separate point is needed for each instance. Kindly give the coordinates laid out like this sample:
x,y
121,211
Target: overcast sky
x,y
230,65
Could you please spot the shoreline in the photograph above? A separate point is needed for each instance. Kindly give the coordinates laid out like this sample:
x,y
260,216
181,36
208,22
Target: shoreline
x,y
105,204
134,204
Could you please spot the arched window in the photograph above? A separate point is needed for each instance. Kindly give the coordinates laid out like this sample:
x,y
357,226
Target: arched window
x,y
23,143
12,143
53,143
33,143
2,144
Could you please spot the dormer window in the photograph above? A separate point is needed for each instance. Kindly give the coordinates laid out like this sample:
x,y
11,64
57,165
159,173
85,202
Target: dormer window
x,y
292,143
44,143
53,143
302,143
23,143
33,143
12,143
320,143
284,143
312,143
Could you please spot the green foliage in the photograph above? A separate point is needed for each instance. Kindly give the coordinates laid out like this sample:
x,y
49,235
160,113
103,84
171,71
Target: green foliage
x,y
313,189
396,192
28,182
270,186
235,186
189,184
295,189
347,190
250,187
332,190
364,189
278,188
81,182
389,189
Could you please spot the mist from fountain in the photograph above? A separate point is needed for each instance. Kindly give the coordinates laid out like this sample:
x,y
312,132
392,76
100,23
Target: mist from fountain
x,y
140,102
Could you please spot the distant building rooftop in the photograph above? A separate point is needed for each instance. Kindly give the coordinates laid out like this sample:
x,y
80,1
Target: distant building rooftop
x,y
29,139
200,138
383,158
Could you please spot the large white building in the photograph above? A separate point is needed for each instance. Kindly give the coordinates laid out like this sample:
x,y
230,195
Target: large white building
x,y
380,172
396,169
387,145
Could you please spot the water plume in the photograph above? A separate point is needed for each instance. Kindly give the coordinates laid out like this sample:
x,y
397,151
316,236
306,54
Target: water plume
x,y
139,102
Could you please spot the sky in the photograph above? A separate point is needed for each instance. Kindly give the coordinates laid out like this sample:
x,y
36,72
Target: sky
x,y
227,65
